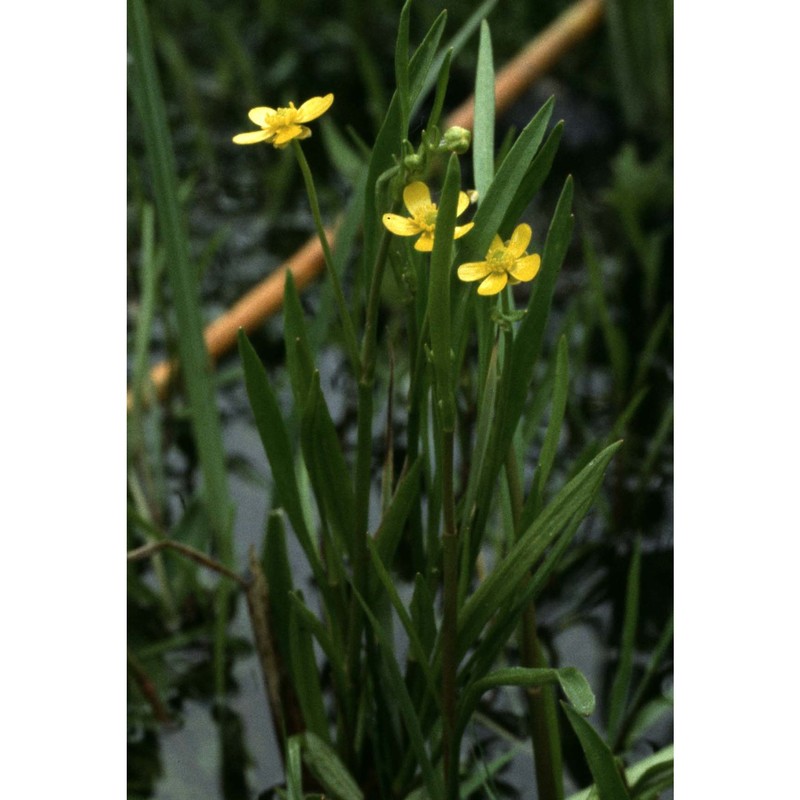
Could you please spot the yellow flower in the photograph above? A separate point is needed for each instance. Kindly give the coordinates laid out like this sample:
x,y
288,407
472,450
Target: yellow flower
x,y
280,125
417,198
505,263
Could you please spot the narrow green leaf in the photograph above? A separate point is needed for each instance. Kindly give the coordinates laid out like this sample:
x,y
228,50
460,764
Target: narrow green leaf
x,y
275,438
278,573
390,530
304,616
401,66
328,769
299,361
294,768
422,613
610,784
622,679
534,177
441,90
431,777
500,193
305,676
529,337
547,455
455,44
327,468
506,577
439,292
572,682
195,366
415,643
635,772
483,130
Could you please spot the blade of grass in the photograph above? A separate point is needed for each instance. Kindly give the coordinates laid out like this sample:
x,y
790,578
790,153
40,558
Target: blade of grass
x,y
149,102
483,139
603,766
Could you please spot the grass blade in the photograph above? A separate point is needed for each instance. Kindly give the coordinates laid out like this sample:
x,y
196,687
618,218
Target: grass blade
x,y
483,139
608,780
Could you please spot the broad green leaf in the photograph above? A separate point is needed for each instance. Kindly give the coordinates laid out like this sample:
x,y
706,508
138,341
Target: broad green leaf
x,y
610,784
323,762
483,132
275,438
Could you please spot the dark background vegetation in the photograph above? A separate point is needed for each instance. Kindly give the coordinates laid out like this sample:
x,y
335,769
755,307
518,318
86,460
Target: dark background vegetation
x,y
247,212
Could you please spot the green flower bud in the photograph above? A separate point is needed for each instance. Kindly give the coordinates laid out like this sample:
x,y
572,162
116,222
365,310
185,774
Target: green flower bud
x,y
456,140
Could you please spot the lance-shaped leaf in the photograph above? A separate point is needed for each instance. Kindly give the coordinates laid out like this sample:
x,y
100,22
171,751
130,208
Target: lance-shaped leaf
x,y
326,766
327,469
607,778
572,682
505,579
277,446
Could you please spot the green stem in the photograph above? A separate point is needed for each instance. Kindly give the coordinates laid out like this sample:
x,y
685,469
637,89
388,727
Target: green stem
x,y
351,344
542,719
450,745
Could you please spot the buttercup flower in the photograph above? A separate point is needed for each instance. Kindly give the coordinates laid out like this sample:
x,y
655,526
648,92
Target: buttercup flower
x,y
280,125
505,263
417,198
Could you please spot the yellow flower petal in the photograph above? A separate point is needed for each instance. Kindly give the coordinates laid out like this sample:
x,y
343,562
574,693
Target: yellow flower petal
x,y
473,271
258,116
461,230
463,202
425,242
251,137
520,239
497,244
415,196
400,226
314,108
525,269
289,132
493,284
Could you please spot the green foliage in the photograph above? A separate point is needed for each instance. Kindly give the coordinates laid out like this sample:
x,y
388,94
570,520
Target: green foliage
x,y
490,465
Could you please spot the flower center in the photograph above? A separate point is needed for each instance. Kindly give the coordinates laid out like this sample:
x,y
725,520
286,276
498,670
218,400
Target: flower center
x,y
426,217
282,117
500,260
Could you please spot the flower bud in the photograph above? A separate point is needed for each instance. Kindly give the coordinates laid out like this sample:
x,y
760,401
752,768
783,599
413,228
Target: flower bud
x,y
456,140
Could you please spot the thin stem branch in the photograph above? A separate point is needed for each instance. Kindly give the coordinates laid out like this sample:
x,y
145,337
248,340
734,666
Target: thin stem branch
x,y
351,344
450,745
147,550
